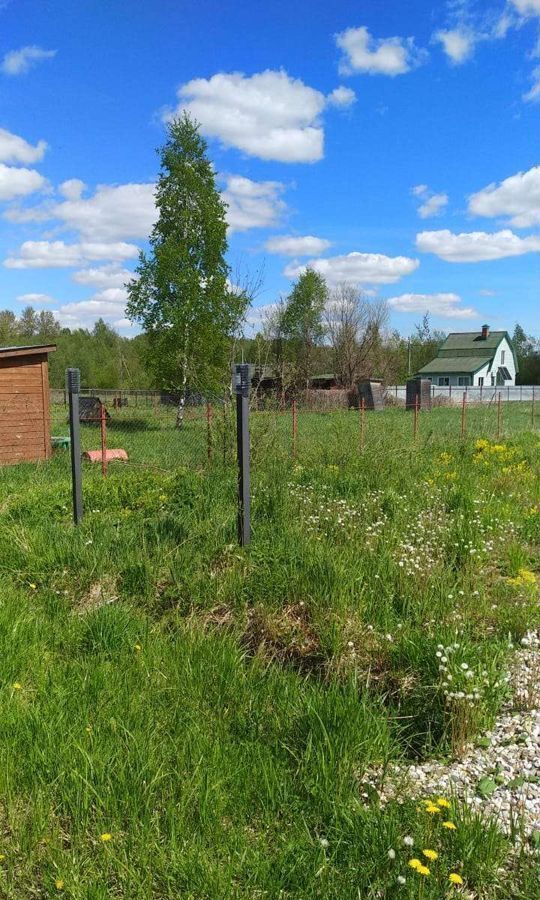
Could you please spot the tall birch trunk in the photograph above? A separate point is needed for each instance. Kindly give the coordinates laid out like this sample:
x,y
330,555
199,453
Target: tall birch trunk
x,y
182,401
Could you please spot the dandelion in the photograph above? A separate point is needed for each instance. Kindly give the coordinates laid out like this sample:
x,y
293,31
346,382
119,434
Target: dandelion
x,y
431,854
432,809
105,837
137,648
324,843
423,870
33,587
449,825
59,884
414,863
441,801
17,686
408,841
455,878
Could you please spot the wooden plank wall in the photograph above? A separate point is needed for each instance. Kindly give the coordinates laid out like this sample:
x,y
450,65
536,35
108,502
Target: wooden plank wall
x,y
24,409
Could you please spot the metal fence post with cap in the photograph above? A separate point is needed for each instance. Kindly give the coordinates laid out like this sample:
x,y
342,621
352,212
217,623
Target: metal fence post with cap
x,y
241,383
73,382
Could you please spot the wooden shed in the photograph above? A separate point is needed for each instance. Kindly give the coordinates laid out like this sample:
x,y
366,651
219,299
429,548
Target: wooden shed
x,y
24,404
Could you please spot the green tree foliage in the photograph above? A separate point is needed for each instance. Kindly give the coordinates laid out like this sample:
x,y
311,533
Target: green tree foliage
x,y
182,297
301,323
528,354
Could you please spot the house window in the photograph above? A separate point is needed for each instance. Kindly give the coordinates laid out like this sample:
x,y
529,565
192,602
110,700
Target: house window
x,y
444,381
464,380
503,357
481,382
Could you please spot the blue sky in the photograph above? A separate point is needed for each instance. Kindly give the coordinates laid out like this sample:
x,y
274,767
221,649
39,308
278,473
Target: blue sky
x,y
395,146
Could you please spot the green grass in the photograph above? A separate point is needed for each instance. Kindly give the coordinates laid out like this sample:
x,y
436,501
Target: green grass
x,y
216,710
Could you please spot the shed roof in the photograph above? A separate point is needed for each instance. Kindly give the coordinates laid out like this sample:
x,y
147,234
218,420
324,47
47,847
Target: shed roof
x,y
31,350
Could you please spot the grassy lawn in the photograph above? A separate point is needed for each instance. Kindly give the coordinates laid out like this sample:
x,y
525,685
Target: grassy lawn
x,y
181,718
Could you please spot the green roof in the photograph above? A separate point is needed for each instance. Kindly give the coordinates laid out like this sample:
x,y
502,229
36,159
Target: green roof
x,y
464,352
454,365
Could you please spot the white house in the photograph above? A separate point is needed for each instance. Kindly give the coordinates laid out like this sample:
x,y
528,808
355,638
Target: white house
x,y
479,358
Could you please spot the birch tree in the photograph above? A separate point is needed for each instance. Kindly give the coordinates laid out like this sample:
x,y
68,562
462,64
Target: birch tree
x,y
181,294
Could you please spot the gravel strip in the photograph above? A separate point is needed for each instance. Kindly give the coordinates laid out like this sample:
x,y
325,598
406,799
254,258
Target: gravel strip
x,y
501,780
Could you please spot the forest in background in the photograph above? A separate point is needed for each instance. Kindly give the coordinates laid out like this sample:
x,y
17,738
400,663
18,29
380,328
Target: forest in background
x,y
110,360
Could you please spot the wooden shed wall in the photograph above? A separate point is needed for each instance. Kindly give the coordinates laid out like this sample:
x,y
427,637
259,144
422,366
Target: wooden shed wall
x,y
24,409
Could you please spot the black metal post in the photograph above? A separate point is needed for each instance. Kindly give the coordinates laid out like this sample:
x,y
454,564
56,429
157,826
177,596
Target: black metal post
x,y
73,381
241,389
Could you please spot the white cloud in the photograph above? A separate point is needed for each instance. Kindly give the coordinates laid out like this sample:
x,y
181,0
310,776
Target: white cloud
x,y
14,149
458,44
108,304
110,276
18,62
58,255
34,299
358,268
446,305
341,96
517,197
290,245
485,292
364,53
527,7
72,189
114,212
252,204
475,246
433,206
269,115
533,95
19,182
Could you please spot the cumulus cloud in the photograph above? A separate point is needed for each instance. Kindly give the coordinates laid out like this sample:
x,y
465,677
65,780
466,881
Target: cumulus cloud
x,y
457,43
446,305
358,268
18,62
432,204
109,276
527,7
59,255
269,115
533,94
341,96
108,305
112,213
517,198
34,299
14,149
292,245
387,56
72,189
19,182
475,246
252,204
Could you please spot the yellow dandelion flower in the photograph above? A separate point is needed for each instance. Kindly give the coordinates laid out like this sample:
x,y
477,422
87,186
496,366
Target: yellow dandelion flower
x,y
105,837
137,648
32,587
455,878
2,857
442,802
431,854
432,809
449,825
17,686
423,870
59,884
414,863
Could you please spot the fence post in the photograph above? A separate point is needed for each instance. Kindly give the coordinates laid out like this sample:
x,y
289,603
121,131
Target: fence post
x,y
209,430
73,381
241,389
415,419
103,424
294,429
499,414
464,414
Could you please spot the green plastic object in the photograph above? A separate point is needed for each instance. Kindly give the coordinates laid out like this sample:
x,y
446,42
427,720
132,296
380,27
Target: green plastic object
x,y
60,443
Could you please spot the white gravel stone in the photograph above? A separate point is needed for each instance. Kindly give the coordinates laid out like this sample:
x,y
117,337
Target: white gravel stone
x,y
513,753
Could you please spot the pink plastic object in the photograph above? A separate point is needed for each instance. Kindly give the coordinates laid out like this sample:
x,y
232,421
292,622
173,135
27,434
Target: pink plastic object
x,y
95,455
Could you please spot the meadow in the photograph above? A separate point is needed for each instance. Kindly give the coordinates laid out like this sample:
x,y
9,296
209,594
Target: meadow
x,y
183,718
